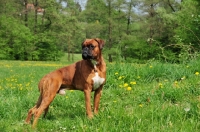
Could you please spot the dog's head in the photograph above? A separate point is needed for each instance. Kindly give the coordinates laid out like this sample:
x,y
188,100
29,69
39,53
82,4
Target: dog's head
x,y
91,48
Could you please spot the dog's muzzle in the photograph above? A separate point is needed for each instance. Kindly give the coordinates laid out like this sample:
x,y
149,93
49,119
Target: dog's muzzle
x,y
86,54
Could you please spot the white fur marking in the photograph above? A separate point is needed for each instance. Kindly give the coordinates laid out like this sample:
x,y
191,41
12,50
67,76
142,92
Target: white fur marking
x,y
97,81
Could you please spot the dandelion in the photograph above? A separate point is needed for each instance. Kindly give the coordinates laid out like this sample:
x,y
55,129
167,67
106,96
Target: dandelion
x,y
120,78
133,82
197,73
128,88
140,105
160,85
116,73
125,84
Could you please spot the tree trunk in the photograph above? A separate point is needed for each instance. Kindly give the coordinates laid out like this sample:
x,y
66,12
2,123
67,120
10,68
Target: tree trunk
x,y
151,28
109,31
35,24
68,50
26,13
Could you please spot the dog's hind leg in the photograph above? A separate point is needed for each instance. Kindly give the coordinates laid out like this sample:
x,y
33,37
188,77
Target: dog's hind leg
x,y
30,113
32,110
46,101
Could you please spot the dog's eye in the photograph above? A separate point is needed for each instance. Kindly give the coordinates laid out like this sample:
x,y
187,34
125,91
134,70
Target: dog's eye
x,y
92,46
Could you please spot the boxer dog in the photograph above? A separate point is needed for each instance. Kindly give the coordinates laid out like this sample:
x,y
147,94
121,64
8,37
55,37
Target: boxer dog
x,y
86,75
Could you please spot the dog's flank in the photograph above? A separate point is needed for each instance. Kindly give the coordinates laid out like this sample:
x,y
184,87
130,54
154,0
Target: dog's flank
x,y
81,75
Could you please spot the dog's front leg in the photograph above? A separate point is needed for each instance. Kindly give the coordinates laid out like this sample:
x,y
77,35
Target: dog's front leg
x,y
87,93
97,96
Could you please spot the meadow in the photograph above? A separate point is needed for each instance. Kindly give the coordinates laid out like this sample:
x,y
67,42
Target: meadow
x,y
151,97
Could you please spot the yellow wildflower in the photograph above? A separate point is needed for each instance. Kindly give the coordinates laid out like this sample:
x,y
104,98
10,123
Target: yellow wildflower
x,y
176,82
197,73
120,77
133,82
116,73
125,84
141,105
150,66
128,88
160,85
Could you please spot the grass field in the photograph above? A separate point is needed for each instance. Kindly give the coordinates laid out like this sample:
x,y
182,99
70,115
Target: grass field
x,y
151,97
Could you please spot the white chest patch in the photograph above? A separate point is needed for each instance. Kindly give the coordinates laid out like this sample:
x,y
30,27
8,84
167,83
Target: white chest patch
x,y
97,81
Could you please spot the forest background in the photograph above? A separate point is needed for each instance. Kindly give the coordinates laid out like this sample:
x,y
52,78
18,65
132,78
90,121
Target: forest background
x,y
134,30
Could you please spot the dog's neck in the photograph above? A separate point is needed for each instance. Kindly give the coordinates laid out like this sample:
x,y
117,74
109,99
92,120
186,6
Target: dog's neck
x,y
95,63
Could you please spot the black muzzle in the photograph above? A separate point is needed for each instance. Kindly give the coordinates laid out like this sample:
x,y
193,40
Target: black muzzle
x,y
86,54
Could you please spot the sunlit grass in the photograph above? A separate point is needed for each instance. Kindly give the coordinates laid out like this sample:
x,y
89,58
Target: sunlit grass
x,y
137,97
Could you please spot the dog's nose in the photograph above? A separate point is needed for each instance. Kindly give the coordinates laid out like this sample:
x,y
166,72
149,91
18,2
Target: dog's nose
x,y
85,53
85,50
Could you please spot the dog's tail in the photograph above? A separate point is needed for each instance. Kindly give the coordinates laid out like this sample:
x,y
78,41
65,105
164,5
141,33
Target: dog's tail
x,y
43,85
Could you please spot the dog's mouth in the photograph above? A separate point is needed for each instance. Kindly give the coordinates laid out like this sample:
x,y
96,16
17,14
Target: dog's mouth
x,y
86,55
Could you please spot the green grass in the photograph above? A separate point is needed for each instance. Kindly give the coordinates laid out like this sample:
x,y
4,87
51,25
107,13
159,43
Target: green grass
x,y
148,97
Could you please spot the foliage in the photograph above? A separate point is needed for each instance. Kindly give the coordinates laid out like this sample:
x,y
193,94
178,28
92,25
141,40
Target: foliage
x,y
134,30
17,39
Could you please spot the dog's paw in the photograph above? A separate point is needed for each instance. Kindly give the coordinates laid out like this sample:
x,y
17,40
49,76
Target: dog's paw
x,y
62,92
90,116
26,122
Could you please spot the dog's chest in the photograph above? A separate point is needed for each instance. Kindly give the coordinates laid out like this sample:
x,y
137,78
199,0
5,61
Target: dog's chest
x,y
97,81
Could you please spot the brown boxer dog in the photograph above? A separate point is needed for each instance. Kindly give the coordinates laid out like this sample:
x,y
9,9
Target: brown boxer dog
x,y
86,75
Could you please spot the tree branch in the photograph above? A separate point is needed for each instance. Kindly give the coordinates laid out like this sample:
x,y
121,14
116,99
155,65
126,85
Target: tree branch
x,y
170,5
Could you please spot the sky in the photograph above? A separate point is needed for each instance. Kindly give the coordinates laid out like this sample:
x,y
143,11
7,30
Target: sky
x,y
81,2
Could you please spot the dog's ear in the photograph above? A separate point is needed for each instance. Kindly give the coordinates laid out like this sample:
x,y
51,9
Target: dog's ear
x,y
100,42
